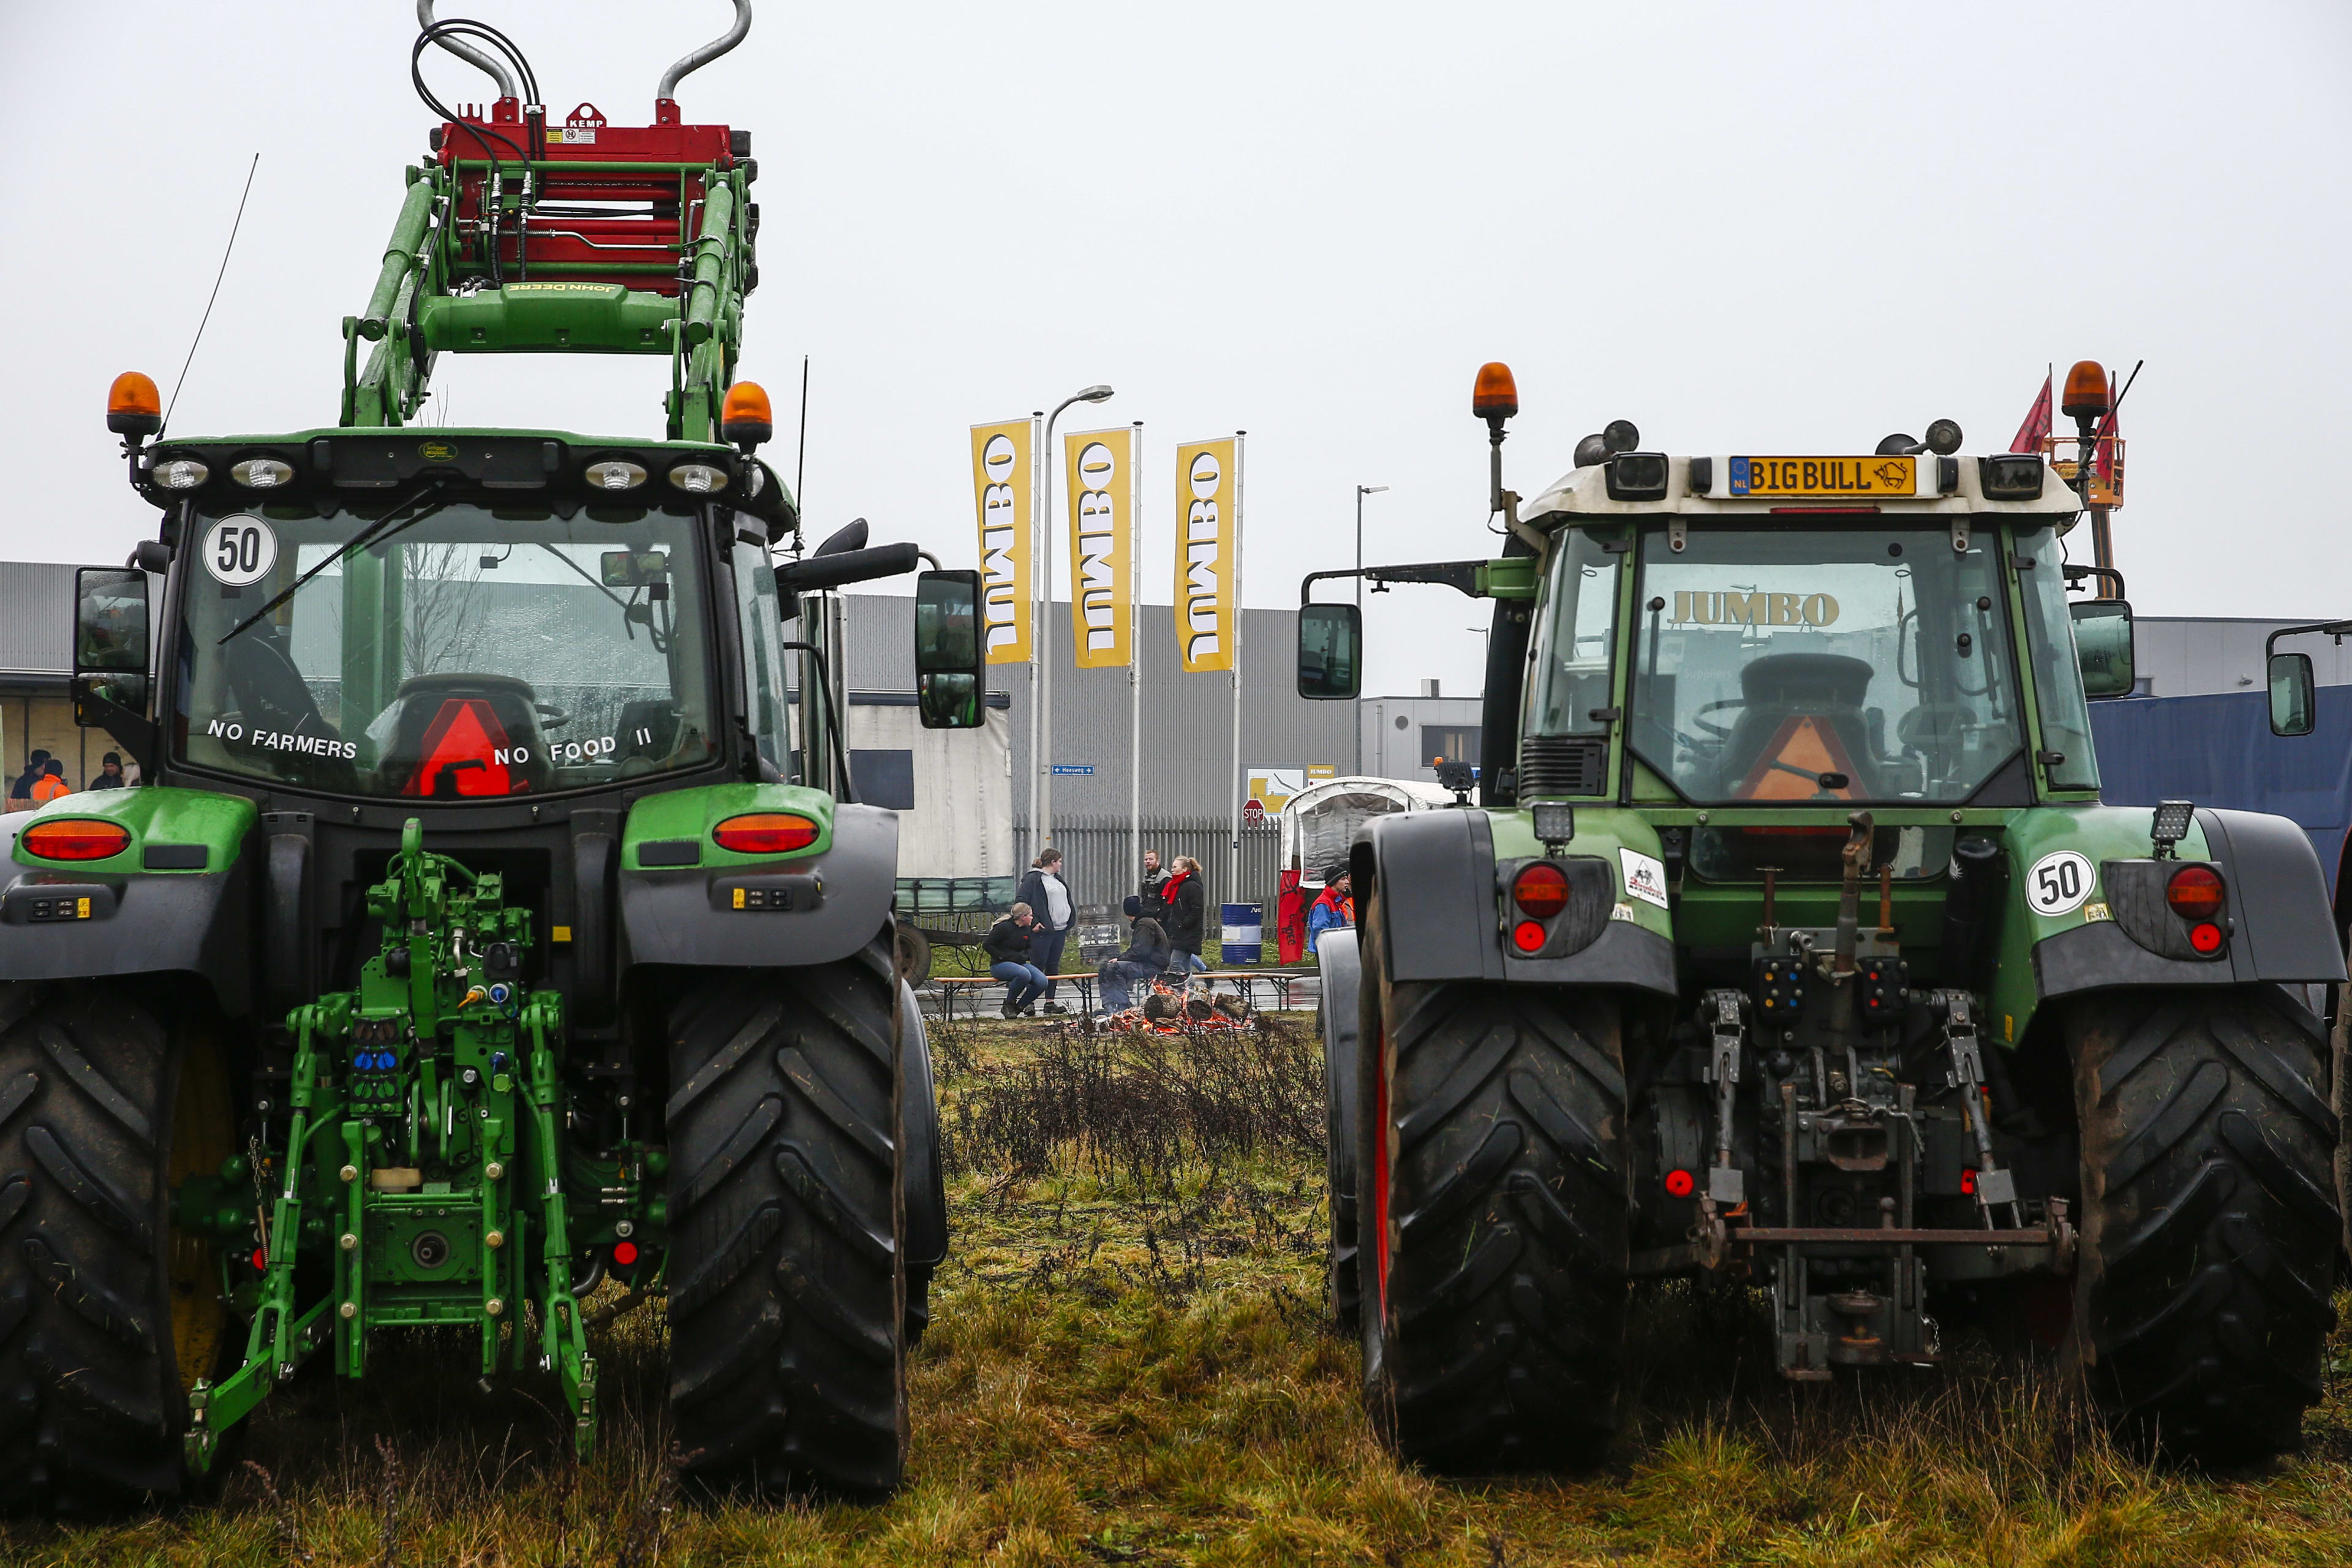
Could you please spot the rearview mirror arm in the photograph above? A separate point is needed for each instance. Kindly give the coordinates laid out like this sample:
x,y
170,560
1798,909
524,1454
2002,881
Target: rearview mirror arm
x,y
1511,578
136,731
832,717
2339,630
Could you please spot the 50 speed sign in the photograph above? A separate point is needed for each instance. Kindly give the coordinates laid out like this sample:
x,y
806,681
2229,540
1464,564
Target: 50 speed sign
x,y
239,550
2059,883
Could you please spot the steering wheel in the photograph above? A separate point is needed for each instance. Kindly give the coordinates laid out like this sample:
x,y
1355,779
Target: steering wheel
x,y
1933,726
550,716
1719,731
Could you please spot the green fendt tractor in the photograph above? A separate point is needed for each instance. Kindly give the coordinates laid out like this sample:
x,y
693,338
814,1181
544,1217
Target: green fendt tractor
x,y
1791,947
496,919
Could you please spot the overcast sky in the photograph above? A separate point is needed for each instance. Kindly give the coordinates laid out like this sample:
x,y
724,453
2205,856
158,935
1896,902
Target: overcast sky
x,y
1786,228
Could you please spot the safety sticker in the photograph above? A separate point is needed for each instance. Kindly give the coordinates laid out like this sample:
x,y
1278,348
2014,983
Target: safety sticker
x,y
1622,912
2095,911
240,551
1645,877
2059,883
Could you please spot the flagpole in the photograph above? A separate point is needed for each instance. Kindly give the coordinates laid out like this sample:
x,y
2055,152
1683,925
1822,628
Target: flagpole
x,y
1234,854
1135,652
1037,632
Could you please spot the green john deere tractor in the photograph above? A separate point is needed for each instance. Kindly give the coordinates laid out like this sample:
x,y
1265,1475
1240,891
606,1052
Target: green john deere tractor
x,y
496,919
1790,946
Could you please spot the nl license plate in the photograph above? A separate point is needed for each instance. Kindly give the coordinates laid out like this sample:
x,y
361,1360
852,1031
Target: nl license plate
x,y
1854,477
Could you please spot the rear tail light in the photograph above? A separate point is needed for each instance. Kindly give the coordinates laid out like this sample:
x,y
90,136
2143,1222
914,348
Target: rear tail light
x,y
75,839
2194,892
1540,891
765,832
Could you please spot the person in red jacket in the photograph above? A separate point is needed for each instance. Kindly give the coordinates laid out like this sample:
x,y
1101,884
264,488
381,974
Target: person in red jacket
x,y
1334,910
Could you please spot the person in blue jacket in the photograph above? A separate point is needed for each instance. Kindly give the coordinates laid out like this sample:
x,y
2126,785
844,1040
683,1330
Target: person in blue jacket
x,y
1334,910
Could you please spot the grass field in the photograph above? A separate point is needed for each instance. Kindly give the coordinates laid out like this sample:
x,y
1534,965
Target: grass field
x,y
1130,1362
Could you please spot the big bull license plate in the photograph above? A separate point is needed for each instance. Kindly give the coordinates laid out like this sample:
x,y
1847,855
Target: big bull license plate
x,y
1855,477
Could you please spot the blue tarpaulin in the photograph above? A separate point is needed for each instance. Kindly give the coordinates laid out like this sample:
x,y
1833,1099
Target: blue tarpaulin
x,y
2218,750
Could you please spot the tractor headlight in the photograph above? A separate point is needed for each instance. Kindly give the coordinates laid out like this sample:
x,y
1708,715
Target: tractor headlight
x,y
180,474
698,478
261,473
616,474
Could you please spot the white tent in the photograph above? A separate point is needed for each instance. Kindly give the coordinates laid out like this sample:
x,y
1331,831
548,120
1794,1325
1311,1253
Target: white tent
x,y
1320,821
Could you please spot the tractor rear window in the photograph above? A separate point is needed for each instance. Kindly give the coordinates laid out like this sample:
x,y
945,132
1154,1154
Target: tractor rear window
x,y
466,652
1849,665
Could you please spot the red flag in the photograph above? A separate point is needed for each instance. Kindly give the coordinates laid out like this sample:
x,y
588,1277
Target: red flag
x,y
2029,435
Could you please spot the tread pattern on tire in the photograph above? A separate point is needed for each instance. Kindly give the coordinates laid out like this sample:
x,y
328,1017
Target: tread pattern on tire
x,y
782,1349
2209,1220
91,1405
1508,1220
1335,1025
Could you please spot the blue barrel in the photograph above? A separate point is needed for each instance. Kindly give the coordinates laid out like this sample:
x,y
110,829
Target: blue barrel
x,y
1244,924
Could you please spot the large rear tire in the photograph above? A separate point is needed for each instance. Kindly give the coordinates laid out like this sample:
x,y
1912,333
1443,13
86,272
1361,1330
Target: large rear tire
x,y
1492,1218
1335,1018
107,1316
2209,1218
784,1342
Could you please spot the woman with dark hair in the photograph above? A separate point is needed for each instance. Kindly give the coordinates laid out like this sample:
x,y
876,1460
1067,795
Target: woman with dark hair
x,y
1007,947
1048,897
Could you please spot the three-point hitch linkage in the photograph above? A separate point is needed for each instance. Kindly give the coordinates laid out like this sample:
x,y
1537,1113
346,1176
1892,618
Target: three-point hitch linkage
x,y
425,1139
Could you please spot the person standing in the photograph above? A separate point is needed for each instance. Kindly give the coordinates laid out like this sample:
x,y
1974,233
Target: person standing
x,y
51,785
1145,960
1185,896
1149,904
20,789
1334,910
1007,946
110,773
1048,897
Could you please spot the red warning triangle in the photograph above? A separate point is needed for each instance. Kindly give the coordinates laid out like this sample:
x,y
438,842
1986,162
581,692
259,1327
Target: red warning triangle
x,y
1793,764
466,730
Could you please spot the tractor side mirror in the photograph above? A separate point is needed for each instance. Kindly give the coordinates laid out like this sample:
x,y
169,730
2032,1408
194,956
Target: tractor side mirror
x,y
1330,646
2103,645
951,668
110,640
2294,700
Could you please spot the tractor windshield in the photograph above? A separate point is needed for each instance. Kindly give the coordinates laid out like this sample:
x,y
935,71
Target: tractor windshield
x,y
1861,664
471,651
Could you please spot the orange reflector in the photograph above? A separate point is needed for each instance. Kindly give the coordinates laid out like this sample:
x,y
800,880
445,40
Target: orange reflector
x,y
134,407
75,839
2087,391
1496,395
1528,936
745,418
765,832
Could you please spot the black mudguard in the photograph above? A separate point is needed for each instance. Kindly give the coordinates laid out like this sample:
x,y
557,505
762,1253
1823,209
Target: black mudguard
x,y
675,916
195,922
2282,925
1435,872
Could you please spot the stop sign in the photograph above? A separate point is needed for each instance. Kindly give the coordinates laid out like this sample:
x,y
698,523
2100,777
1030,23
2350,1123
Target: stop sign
x,y
1254,811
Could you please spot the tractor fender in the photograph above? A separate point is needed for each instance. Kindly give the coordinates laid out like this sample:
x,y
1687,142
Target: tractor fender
x,y
1435,870
918,1133
2282,927
676,916
196,922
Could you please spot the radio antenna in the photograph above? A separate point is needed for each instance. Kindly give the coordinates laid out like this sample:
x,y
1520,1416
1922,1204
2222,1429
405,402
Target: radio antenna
x,y
226,251
800,467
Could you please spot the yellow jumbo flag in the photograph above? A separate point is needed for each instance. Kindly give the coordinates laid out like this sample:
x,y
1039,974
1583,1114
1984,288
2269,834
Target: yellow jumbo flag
x,y
1208,551
1102,474
1003,483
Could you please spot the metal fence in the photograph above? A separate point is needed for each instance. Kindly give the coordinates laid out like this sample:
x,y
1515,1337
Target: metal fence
x,y
1102,867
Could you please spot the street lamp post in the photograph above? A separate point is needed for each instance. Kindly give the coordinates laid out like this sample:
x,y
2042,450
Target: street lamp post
x,y
1041,791
1362,491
